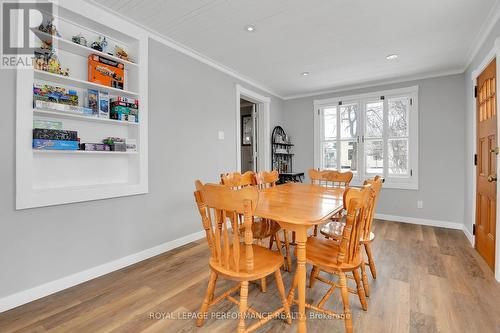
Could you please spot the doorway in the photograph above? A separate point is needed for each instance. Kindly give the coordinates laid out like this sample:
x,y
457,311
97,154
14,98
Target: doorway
x,y
486,169
249,136
260,129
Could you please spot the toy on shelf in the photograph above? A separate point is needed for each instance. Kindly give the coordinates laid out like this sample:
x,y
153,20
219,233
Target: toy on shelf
x,y
49,62
79,39
100,44
121,53
116,144
105,71
54,94
49,28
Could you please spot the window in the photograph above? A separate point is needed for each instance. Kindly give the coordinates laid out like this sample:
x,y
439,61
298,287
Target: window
x,y
371,134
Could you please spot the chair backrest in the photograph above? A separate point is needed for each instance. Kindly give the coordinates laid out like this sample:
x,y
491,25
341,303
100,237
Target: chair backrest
x,y
236,180
357,211
266,179
330,177
219,205
376,184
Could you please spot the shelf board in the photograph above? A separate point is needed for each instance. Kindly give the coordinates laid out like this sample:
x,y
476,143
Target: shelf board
x,y
69,46
84,152
283,144
284,154
71,81
67,115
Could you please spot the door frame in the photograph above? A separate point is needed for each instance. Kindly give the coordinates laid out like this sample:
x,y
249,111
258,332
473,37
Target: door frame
x,y
494,53
263,107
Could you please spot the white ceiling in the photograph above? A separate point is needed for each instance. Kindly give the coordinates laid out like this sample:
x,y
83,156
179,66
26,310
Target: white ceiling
x,y
340,42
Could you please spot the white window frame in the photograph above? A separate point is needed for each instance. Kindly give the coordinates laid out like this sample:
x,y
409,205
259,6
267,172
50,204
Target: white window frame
x,y
397,182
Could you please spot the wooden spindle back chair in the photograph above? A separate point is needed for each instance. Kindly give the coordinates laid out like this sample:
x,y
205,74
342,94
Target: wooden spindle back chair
x,y
340,257
376,184
330,178
220,206
265,180
236,180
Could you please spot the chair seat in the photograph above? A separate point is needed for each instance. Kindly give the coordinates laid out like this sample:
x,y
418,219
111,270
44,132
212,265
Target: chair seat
x,y
263,228
265,262
323,253
334,230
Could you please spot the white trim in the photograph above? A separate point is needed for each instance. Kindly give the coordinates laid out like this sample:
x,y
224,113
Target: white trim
x,y
46,289
469,235
264,109
420,221
408,183
342,88
153,34
494,53
483,33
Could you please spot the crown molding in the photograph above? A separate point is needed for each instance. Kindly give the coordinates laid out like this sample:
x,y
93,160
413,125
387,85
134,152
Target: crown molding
x,y
342,88
155,35
483,33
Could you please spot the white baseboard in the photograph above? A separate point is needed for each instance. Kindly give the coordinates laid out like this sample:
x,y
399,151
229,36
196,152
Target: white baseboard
x,y
414,220
46,289
469,236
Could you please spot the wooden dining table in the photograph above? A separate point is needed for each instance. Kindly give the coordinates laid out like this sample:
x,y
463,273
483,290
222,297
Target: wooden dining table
x,y
298,207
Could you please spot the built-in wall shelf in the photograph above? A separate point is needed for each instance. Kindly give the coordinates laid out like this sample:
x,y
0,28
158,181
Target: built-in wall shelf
x,y
68,115
84,51
55,177
46,151
79,83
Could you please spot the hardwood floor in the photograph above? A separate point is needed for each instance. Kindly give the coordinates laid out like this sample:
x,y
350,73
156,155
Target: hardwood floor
x,y
428,280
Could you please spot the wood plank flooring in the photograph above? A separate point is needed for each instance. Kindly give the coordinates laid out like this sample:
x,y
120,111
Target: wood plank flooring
x,y
429,280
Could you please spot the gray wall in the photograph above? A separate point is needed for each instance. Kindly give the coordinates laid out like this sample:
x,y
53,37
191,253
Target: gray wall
x,y
441,153
189,103
469,119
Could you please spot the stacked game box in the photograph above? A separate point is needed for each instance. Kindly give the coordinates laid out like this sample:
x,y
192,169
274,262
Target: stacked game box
x,y
54,139
124,109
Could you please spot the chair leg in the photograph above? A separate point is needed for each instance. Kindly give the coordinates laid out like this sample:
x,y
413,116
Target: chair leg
x,y
263,285
281,289
345,300
315,231
371,262
364,278
243,306
287,251
360,288
271,240
314,274
291,294
208,297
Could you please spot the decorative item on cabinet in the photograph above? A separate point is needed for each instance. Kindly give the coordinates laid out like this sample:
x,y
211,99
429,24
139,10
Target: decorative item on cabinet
x,y
282,156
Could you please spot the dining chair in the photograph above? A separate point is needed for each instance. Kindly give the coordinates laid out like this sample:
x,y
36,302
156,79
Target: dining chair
x,y
339,258
334,230
261,228
265,180
232,259
330,178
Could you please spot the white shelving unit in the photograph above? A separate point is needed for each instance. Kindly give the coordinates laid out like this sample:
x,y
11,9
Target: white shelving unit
x,y
53,177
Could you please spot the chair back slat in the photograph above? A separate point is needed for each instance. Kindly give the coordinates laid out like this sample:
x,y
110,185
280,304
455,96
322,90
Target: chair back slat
x,y
220,208
376,185
266,179
236,180
330,178
357,210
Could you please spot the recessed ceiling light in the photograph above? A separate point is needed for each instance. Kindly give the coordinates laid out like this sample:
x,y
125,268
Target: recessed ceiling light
x,y
250,28
392,57
304,73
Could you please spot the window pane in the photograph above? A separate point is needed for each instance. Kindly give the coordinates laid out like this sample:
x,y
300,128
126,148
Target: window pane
x,y
330,123
329,155
374,119
348,121
398,116
349,156
374,156
398,157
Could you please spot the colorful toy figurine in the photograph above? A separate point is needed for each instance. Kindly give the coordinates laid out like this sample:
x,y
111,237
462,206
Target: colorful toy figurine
x,y
120,53
79,39
49,28
100,44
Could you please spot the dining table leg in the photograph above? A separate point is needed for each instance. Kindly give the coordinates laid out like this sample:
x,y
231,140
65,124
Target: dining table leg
x,y
301,240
